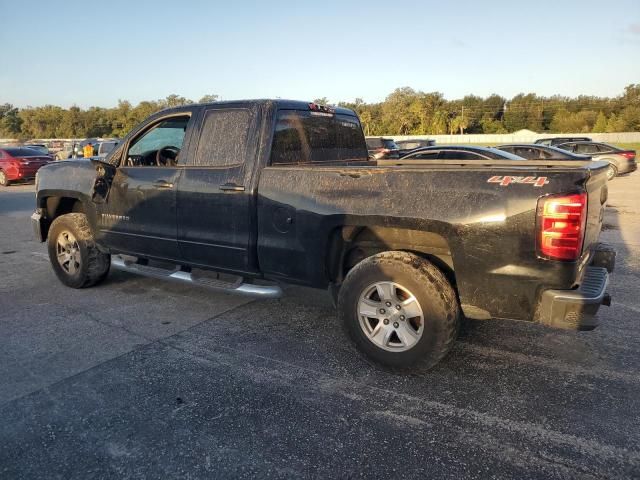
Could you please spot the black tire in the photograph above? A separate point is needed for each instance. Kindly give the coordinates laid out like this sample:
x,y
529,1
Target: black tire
x,y
93,265
435,295
612,172
4,181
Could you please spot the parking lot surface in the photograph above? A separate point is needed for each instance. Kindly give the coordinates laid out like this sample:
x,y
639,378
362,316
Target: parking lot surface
x,y
137,378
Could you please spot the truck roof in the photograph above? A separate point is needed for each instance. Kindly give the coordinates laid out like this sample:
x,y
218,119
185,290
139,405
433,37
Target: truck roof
x,y
281,104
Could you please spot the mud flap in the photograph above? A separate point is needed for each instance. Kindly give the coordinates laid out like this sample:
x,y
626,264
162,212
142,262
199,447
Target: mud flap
x,y
104,178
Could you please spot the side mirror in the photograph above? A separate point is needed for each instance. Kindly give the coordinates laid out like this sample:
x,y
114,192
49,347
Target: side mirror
x,y
104,178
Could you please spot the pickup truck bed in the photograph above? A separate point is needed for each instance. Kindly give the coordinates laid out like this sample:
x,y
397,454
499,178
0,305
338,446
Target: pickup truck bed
x,y
481,231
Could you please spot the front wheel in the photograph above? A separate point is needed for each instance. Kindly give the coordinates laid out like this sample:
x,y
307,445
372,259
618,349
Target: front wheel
x,y
612,172
4,181
73,253
400,310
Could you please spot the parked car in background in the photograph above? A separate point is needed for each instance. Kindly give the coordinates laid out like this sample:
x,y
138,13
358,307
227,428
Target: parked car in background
x,y
39,147
407,146
620,161
102,149
66,151
20,164
541,152
87,141
55,146
456,152
380,148
558,140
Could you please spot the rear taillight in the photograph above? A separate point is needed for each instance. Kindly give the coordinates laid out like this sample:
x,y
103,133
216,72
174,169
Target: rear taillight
x,y
560,226
630,154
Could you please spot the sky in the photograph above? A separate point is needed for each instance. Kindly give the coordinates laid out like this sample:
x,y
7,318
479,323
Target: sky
x,y
94,53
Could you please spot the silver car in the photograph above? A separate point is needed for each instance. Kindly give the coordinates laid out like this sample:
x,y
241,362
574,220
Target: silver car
x,y
620,161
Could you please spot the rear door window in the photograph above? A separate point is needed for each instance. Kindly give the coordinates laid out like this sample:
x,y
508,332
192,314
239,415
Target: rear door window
x,y
604,148
373,143
390,144
523,152
305,137
460,155
224,138
586,148
428,155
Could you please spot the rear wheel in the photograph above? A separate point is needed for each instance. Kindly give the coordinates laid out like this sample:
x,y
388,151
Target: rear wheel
x,y
612,172
400,310
74,256
4,181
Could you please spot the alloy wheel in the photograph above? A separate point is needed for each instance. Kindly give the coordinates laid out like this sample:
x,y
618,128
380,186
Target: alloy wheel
x,y
390,316
68,252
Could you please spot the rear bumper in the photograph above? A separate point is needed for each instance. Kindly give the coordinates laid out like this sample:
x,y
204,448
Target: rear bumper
x,y
630,166
576,309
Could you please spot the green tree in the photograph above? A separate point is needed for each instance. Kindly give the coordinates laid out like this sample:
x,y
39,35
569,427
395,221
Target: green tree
x,y
601,123
491,125
614,124
630,118
439,123
524,111
174,100
209,98
10,121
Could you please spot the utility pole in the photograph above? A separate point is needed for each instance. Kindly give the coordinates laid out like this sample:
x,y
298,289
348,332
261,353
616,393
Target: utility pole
x,y
462,123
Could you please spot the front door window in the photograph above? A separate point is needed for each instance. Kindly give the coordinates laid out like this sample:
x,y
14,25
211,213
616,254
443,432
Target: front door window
x,y
159,146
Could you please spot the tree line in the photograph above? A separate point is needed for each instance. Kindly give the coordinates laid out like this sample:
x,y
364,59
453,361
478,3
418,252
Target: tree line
x,y
404,112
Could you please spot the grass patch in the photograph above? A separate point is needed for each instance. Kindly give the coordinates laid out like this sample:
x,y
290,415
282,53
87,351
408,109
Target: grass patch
x,y
629,146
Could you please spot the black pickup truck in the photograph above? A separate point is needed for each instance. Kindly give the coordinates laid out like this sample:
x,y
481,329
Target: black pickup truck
x,y
244,196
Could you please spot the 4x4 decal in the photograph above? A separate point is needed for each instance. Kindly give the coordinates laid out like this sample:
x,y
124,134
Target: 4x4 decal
x,y
508,180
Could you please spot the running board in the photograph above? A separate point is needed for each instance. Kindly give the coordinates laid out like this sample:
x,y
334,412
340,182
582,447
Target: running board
x,y
249,289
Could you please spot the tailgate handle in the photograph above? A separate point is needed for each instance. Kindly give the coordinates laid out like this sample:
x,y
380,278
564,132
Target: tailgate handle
x,y
231,187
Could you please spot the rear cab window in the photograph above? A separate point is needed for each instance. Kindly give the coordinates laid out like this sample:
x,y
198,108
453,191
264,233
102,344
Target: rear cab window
x,y
302,137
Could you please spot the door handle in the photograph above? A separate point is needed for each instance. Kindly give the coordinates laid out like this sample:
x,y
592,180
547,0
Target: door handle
x,y
231,187
162,184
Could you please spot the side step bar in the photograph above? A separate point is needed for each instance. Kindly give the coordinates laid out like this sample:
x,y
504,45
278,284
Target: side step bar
x,y
250,289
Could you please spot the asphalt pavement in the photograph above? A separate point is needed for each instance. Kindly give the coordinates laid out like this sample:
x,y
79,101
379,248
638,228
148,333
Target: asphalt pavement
x,y
138,378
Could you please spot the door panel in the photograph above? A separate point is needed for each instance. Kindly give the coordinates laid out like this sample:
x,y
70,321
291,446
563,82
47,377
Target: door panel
x,y
214,224
216,211
138,214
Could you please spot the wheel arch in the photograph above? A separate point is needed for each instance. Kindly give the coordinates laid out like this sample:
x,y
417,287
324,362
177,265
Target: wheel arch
x,y
53,204
349,245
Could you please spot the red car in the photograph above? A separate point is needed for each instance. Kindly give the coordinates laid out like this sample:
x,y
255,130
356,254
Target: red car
x,y
20,164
